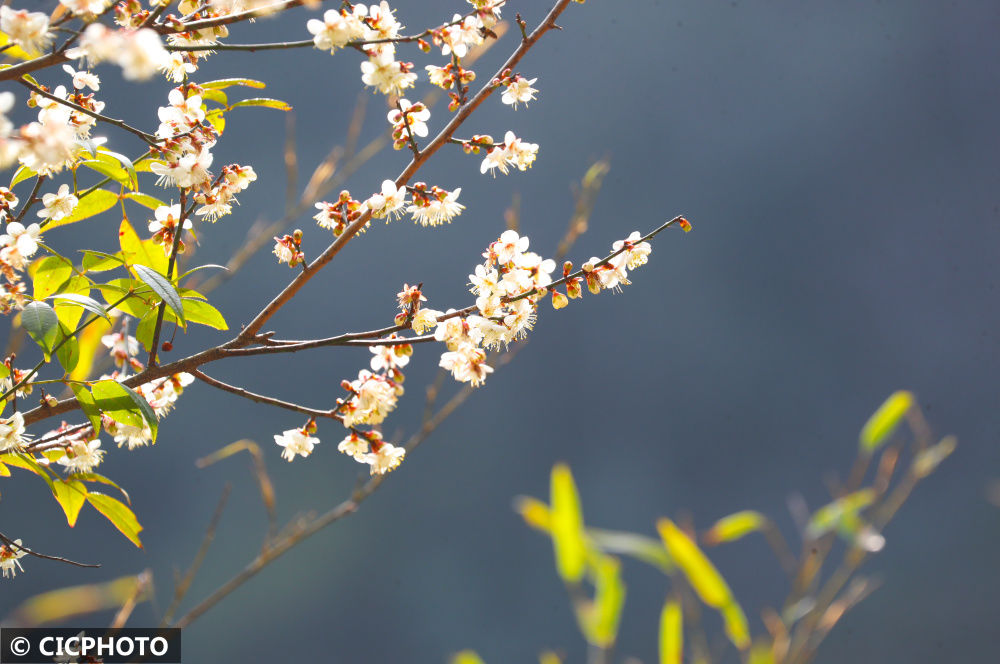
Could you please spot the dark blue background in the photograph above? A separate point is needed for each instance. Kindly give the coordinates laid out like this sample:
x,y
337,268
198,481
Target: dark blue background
x,y
838,161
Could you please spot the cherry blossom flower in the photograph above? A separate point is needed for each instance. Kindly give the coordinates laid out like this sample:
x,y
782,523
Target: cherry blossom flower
x,y
387,75
12,433
373,397
122,346
83,79
388,204
385,459
438,209
509,246
178,66
337,28
81,456
58,205
424,320
355,446
295,442
18,244
30,30
636,253
133,435
467,364
85,6
518,90
387,358
457,38
142,54
9,558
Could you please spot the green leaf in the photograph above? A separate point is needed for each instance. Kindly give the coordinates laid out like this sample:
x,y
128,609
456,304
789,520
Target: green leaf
x,y
88,405
124,405
69,349
165,290
71,495
93,204
120,516
111,170
136,305
144,200
223,83
41,322
671,633
735,526
125,162
263,102
88,303
48,275
204,313
21,174
202,267
98,261
27,462
69,314
883,423
567,525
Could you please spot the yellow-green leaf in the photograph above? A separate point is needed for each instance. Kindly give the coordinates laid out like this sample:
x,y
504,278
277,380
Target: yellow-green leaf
x,y
144,200
203,313
71,494
699,570
135,251
22,173
224,83
883,423
124,405
567,525
735,623
671,633
87,404
832,515
466,657
48,274
162,287
735,526
640,547
69,314
263,102
118,513
604,615
93,204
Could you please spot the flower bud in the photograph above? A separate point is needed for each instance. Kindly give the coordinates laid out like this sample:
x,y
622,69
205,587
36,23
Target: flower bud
x,y
559,300
593,283
573,289
50,401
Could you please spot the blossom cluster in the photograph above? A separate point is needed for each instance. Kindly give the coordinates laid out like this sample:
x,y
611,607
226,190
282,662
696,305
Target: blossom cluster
x,y
81,447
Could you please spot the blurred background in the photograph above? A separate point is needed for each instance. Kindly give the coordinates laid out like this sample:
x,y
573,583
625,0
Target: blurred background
x,y
838,163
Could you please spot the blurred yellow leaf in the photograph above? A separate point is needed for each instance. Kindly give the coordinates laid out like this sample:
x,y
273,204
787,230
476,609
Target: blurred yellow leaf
x,y
883,423
466,657
928,460
706,580
534,512
671,633
59,605
600,618
567,526
735,526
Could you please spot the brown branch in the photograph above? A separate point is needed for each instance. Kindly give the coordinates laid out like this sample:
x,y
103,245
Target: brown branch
x,y
463,113
260,398
59,559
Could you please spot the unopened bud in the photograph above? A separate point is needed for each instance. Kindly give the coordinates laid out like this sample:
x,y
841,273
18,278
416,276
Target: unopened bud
x,y
297,236
167,347
559,300
50,401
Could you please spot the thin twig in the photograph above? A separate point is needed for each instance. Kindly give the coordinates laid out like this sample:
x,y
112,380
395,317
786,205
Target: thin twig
x,y
59,559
